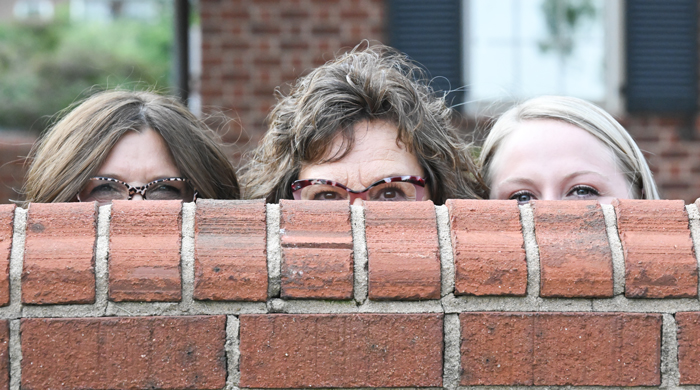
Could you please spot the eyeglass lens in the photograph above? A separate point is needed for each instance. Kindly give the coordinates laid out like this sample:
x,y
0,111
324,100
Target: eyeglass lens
x,y
104,191
395,191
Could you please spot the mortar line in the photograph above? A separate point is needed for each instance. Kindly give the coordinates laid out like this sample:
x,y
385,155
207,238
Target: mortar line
x,y
19,236
694,225
15,349
233,353
447,264
532,251
187,255
670,374
451,360
104,214
274,250
618,257
360,257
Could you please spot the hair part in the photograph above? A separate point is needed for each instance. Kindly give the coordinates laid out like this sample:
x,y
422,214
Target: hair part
x,y
585,116
376,83
73,149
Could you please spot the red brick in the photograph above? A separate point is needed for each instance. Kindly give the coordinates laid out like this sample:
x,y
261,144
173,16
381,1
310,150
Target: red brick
x,y
7,217
59,261
230,251
561,349
497,349
4,355
144,251
124,353
659,259
402,248
575,256
317,252
488,247
611,349
341,350
689,347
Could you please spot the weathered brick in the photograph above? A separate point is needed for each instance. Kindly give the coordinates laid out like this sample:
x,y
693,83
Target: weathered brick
x,y
317,249
402,249
4,355
689,347
497,349
7,218
488,247
575,256
659,259
230,251
341,350
124,353
561,349
59,261
144,251
610,349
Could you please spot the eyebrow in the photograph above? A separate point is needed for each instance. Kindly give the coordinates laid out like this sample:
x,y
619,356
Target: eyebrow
x,y
581,173
110,175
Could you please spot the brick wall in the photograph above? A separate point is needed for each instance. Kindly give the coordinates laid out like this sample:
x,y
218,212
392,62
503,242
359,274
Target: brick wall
x,y
672,147
14,147
227,294
251,47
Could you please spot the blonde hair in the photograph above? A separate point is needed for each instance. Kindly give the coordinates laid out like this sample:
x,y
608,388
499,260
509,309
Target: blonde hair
x,y
375,83
75,147
586,116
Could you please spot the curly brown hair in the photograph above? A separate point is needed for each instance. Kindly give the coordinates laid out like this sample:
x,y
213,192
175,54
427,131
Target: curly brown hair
x,y
370,84
75,147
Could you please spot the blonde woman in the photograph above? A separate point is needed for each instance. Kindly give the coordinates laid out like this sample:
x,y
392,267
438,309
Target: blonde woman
x,y
363,126
555,147
129,145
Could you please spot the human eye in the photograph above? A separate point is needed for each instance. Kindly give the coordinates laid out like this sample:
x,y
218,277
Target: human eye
x,y
107,191
328,195
523,196
583,192
164,191
103,191
389,193
323,192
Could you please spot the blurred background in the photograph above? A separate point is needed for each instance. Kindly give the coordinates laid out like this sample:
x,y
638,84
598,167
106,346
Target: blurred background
x,y
635,58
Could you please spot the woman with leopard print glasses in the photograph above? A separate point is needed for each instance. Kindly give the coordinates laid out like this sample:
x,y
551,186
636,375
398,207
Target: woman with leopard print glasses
x,y
129,145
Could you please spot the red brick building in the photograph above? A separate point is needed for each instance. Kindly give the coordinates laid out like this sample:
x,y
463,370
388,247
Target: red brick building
x,y
252,47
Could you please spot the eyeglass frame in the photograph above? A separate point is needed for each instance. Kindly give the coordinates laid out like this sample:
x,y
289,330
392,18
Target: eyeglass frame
x,y
141,190
417,181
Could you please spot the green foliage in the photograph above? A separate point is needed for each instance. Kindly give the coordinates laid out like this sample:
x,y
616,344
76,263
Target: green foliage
x,y
563,18
46,67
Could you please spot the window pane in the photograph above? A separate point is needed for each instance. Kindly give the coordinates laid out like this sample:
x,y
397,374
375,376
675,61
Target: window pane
x,y
523,48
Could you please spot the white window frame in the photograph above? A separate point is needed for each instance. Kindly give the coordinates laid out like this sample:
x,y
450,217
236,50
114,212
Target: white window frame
x,y
614,26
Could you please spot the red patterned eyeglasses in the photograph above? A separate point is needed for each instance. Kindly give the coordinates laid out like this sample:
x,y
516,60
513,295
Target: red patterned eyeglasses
x,y
392,189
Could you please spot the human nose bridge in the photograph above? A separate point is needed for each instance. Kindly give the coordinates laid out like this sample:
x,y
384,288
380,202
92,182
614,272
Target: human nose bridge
x,y
137,191
353,197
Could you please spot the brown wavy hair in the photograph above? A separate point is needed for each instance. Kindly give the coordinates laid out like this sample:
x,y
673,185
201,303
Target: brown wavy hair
x,y
75,147
371,84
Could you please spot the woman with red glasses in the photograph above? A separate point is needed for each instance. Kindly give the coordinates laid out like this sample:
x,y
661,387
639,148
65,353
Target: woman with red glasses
x,y
129,145
363,126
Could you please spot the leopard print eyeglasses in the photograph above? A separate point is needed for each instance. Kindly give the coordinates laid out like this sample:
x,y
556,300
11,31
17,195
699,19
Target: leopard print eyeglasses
x,y
106,189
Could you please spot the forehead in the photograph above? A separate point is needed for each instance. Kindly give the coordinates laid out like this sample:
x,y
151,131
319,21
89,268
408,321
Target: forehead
x,y
534,145
139,156
375,154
